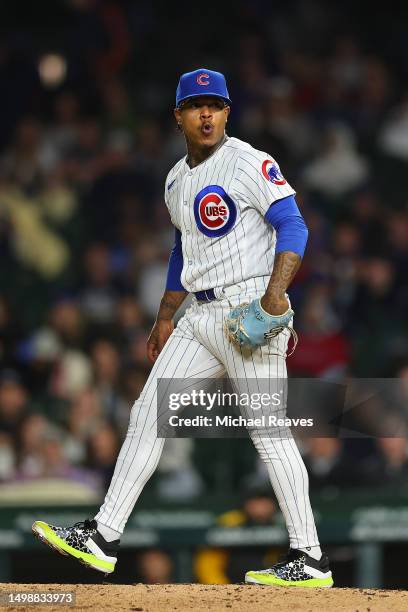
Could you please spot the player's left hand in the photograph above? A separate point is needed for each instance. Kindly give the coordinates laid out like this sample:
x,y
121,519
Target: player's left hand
x,y
159,335
250,326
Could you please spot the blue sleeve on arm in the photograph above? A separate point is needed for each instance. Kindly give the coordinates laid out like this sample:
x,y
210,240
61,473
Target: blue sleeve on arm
x,y
173,282
289,224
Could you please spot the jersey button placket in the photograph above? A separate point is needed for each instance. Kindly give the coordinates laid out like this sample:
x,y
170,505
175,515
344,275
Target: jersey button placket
x,y
185,214
183,189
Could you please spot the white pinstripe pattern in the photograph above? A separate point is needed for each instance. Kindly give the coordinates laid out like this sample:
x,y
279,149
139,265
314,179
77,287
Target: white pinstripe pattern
x,y
182,357
245,252
198,348
241,260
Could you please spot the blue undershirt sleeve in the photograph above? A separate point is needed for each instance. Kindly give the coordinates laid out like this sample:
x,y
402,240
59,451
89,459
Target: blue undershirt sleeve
x,y
289,224
175,268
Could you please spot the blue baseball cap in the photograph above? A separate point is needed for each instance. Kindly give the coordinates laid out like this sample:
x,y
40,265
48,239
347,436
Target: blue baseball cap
x,y
201,82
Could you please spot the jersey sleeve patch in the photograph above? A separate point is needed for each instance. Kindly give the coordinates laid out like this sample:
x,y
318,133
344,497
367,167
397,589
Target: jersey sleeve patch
x,y
271,172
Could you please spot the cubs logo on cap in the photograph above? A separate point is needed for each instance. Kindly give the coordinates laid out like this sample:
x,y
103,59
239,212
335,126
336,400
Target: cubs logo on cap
x,y
215,211
202,82
202,79
271,171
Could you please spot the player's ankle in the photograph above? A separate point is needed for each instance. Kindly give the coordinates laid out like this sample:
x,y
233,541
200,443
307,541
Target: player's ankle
x,y
313,551
109,534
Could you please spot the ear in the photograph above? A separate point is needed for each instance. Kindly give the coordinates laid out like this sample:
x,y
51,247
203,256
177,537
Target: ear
x,y
227,110
177,115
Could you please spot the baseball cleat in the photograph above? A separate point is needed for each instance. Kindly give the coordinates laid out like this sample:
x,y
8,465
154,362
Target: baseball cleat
x,y
82,541
295,569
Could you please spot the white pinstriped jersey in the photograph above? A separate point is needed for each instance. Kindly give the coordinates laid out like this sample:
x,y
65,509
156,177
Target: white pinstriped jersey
x,y
219,207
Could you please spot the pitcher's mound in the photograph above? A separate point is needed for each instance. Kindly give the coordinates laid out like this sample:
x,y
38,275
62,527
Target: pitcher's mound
x,y
214,598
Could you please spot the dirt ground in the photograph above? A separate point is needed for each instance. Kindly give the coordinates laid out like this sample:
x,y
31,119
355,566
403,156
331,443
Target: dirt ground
x,y
217,598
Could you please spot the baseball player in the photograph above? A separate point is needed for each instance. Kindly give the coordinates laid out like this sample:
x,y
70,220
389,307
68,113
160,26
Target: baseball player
x,y
239,241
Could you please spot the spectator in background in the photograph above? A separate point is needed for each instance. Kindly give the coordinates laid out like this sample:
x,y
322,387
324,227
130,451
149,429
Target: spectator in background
x,y
388,467
103,448
345,253
59,206
153,261
34,430
61,135
148,150
131,228
7,457
177,478
346,65
55,464
375,343
393,137
84,160
66,319
106,370
46,458
85,414
13,402
224,566
374,97
10,333
99,292
129,320
137,351
40,354
54,371
397,238
366,211
285,127
119,116
376,288
23,163
323,350
329,467
155,567
35,245
339,169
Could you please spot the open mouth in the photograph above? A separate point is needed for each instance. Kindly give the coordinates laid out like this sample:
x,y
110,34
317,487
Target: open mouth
x,y
207,129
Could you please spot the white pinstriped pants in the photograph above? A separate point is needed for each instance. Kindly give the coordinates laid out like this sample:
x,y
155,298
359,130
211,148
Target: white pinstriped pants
x,y
198,348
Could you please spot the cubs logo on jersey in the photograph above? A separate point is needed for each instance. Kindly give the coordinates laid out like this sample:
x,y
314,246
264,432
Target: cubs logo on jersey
x,y
271,171
215,211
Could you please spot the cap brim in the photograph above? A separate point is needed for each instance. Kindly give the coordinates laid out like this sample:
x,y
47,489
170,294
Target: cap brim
x,y
204,95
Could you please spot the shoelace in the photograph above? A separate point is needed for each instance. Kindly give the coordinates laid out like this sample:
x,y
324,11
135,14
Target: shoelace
x,y
86,524
291,555
288,557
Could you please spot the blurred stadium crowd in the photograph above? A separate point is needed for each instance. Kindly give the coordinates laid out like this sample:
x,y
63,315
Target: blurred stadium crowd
x,y
85,235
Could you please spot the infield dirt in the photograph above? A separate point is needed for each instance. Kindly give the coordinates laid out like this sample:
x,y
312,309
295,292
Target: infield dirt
x,y
215,598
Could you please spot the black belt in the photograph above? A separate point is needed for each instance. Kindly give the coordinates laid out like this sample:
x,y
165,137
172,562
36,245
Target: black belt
x,y
205,296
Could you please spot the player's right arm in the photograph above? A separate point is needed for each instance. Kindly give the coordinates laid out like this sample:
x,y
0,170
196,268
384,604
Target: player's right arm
x,y
173,297
261,181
